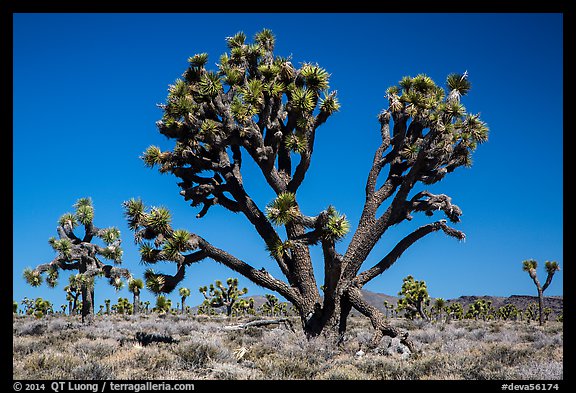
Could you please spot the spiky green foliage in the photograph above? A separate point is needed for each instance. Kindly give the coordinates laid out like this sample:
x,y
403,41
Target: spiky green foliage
x,y
134,212
278,249
154,282
337,225
163,304
297,143
32,277
152,156
39,308
135,285
529,264
303,99
283,209
68,218
84,211
315,77
414,297
110,235
551,267
52,276
329,103
158,219
198,60
458,84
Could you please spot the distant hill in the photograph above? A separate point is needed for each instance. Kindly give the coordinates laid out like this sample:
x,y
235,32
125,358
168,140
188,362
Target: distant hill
x,y
376,299
556,303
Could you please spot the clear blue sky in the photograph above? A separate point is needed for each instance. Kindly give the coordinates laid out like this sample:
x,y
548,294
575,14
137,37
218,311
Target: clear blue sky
x,y
85,93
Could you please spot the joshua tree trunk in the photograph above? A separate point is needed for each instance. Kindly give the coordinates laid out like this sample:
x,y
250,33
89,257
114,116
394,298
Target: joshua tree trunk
x,y
183,304
136,303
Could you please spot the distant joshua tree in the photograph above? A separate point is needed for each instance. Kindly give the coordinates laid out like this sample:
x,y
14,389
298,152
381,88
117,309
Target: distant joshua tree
x,y
244,306
79,253
184,293
414,298
14,307
479,309
507,312
163,304
389,307
454,311
135,285
439,304
551,268
219,295
107,303
272,306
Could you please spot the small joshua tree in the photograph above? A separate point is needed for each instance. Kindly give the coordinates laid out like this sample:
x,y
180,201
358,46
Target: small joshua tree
x,y
40,308
272,306
478,309
389,307
551,268
73,291
135,285
454,311
507,312
184,293
244,306
14,307
107,303
79,253
163,304
439,304
219,295
414,298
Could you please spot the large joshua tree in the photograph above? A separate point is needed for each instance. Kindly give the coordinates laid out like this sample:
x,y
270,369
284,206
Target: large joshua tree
x,y
530,266
260,106
78,253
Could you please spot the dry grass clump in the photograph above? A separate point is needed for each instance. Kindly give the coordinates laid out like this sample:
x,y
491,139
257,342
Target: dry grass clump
x,y
62,348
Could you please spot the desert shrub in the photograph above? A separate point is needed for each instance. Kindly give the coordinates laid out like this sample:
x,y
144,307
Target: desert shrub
x,y
95,348
343,371
92,371
199,352
276,366
32,328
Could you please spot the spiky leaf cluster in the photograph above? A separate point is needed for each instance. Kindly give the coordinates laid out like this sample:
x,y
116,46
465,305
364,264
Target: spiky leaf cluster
x,y
32,277
552,267
153,232
337,225
254,100
154,282
283,209
135,285
441,134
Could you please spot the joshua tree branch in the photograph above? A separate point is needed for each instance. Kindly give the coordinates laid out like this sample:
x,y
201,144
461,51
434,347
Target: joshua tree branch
x,y
403,245
260,277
